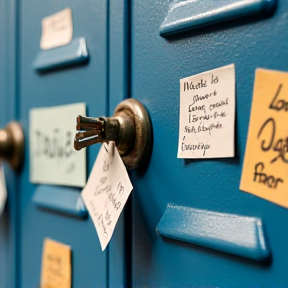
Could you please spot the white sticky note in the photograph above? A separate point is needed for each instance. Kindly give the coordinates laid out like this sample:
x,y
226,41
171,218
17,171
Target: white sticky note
x,y
106,192
3,190
207,114
53,159
57,29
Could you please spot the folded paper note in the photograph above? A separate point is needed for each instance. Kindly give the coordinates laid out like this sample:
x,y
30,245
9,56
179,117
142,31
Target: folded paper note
x,y
106,192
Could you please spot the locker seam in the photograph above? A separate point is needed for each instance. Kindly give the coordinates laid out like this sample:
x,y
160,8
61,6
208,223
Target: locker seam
x,y
107,105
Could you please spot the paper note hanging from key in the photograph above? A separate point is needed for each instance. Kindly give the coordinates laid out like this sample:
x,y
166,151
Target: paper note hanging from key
x,y
56,265
266,157
3,190
207,114
57,30
106,192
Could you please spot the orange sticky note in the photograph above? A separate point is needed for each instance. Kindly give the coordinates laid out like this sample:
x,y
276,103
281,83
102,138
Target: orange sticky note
x,y
265,168
56,265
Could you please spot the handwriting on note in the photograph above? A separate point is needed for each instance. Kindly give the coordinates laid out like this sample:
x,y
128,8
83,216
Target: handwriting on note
x,y
106,192
52,155
56,265
266,157
207,114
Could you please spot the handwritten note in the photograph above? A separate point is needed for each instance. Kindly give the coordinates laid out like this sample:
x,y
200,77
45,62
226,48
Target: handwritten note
x,y
106,192
3,190
57,29
265,168
53,159
56,265
207,114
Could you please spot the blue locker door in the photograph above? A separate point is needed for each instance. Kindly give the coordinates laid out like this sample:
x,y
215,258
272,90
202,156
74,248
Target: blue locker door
x,y
8,220
158,63
119,89
80,83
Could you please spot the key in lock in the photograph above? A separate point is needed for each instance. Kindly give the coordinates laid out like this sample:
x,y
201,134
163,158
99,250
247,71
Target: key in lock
x,y
130,128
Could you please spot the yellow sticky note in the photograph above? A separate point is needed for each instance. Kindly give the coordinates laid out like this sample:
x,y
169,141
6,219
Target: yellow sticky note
x,y
265,168
56,265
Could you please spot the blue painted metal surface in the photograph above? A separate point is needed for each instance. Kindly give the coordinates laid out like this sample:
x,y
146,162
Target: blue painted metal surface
x,y
84,83
229,233
157,65
65,200
9,228
74,53
191,15
119,89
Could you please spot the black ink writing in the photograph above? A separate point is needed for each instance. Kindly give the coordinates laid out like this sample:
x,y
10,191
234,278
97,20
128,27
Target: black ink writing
x,y
281,104
280,146
218,104
199,146
58,145
120,188
105,166
221,114
197,108
191,86
214,80
203,128
114,201
190,129
262,178
197,98
195,118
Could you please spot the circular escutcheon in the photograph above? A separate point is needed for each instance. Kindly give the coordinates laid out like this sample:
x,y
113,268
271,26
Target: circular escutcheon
x,y
143,132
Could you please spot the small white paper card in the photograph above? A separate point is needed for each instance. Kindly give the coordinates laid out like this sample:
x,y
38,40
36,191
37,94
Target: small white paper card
x,y
3,190
207,114
53,159
106,192
57,29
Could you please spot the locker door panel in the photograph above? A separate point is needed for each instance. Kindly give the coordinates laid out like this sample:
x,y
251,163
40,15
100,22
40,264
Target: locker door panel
x,y
85,82
158,63
8,221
